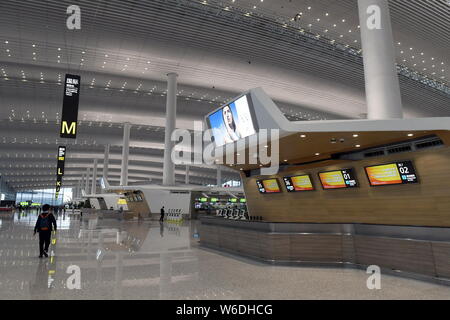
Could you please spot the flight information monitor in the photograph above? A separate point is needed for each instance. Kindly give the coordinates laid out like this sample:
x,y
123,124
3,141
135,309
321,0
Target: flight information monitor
x,y
233,121
337,179
298,183
392,173
268,186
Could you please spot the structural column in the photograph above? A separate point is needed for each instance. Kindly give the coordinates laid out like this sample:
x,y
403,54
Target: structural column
x,y
106,162
380,73
82,184
219,176
171,111
187,174
125,154
94,178
86,186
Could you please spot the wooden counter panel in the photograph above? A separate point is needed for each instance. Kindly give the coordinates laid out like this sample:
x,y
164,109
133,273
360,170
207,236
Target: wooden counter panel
x,y
398,254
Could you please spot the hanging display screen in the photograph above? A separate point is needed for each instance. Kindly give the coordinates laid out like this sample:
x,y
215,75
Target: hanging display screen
x,y
60,168
337,179
233,121
298,183
392,173
268,186
69,116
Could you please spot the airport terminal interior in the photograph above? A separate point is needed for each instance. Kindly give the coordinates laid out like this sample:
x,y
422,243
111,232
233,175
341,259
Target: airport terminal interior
x,y
224,149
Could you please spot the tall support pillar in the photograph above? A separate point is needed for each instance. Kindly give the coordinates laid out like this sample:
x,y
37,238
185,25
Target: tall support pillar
x,y
106,162
380,73
171,111
86,186
94,178
82,184
219,176
125,154
186,181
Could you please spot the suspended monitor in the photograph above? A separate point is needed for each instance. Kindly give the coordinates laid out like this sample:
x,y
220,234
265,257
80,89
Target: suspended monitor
x,y
234,121
337,179
392,173
268,186
298,183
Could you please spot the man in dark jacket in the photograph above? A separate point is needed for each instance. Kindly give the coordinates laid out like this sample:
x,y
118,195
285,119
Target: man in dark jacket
x,y
45,224
162,214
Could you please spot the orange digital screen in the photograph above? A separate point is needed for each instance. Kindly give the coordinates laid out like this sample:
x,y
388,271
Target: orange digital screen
x,y
384,174
268,186
332,180
298,183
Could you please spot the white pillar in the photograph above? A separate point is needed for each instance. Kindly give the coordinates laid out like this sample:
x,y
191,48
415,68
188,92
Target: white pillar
x,y
82,184
219,176
94,178
171,111
380,73
125,154
86,186
106,162
186,181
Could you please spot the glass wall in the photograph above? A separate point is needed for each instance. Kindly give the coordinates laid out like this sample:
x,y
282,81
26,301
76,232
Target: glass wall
x,y
6,192
46,196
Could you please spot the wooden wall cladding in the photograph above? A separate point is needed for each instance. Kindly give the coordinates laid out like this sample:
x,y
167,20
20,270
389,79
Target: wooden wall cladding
x,y
426,203
424,257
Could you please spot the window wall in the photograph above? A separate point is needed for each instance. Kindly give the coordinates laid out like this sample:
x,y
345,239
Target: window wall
x,y
46,196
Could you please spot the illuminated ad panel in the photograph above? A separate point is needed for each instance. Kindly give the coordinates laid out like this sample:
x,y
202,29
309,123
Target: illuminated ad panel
x,y
69,115
268,186
60,168
121,201
298,183
233,122
392,173
338,179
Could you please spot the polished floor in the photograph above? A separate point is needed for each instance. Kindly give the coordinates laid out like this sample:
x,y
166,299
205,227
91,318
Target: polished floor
x,y
152,260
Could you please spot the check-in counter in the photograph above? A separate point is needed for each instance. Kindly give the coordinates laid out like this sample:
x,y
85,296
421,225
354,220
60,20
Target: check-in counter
x,y
422,252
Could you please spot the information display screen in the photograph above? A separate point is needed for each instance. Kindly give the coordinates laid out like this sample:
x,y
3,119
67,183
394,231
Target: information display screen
x,y
344,178
392,173
232,122
268,186
298,183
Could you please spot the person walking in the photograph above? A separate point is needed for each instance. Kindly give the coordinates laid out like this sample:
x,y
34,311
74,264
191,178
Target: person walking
x,y
45,224
162,214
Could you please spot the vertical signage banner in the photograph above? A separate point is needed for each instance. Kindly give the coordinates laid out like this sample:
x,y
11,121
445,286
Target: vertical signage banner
x,y
60,169
69,115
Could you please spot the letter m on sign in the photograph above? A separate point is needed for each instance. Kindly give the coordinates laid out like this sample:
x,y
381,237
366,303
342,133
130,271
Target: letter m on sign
x,y
67,129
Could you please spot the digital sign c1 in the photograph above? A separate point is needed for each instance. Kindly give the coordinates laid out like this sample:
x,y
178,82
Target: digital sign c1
x,y
69,116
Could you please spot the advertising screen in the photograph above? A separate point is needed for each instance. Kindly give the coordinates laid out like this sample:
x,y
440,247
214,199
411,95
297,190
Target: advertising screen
x,y
268,186
298,183
232,122
338,179
392,173
121,201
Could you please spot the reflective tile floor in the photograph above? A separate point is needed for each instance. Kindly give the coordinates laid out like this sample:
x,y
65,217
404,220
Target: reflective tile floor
x,y
148,260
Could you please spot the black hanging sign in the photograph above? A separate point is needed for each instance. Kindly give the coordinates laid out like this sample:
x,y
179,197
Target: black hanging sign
x,y
69,115
60,169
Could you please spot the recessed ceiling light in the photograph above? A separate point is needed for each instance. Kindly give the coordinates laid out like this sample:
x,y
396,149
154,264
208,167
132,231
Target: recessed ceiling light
x,y
317,153
410,134
355,135
358,145
302,136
